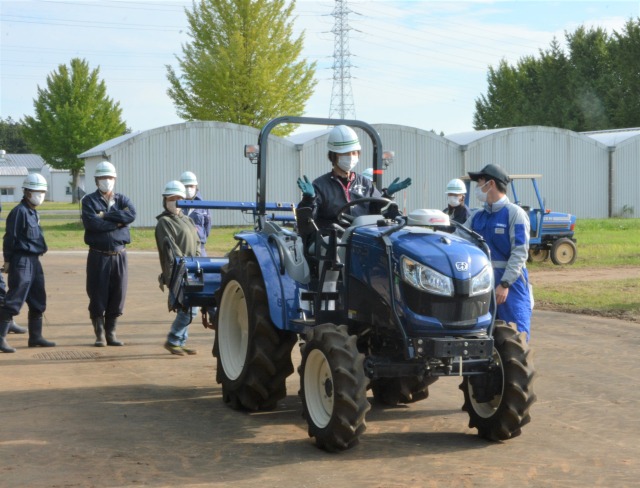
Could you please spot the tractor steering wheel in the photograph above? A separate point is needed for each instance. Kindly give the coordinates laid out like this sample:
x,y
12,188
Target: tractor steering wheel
x,y
347,219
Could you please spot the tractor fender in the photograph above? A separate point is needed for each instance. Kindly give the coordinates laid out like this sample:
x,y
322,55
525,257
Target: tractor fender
x,y
282,291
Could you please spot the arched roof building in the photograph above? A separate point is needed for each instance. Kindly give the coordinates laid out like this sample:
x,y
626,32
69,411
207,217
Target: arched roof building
x,y
591,175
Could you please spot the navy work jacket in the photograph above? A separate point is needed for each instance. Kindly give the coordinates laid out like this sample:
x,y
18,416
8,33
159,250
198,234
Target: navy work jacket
x,y
104,233
23,233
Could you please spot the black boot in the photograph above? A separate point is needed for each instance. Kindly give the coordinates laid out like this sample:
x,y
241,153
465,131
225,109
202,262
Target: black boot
x,y
98,328
16,329
110,329
35,332
4,328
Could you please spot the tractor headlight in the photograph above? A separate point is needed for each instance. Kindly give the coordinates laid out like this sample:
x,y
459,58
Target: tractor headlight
x,y
482,282
425,278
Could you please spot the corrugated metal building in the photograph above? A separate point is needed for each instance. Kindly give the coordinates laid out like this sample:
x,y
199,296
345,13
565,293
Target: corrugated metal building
x,y
575,167
624,164
569,162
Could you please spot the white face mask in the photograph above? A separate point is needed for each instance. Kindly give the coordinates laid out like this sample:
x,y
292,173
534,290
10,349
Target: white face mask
x,y
191,192
454,200
171,206
36,198
107,185
480,195
347,162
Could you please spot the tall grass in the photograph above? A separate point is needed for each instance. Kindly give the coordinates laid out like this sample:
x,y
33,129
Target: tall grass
x,y
603,243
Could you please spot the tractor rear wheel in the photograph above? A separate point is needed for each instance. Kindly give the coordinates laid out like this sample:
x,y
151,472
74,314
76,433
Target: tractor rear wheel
x,y
333,387
538,255
498,402
254,357
393,391
563,251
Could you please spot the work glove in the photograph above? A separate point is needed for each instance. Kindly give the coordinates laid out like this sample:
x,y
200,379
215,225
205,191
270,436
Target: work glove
x,y
306,187
396,186
5,267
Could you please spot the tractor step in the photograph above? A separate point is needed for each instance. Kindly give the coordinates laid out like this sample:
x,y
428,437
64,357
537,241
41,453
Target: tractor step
x,y
324,295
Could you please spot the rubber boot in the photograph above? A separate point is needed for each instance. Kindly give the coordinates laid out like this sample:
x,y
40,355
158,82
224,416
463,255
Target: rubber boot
x,y
16,329
98,328
35,332
4,328
110,329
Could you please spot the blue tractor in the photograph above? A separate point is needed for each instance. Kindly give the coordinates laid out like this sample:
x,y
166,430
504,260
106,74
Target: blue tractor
x,y
377,304
552,233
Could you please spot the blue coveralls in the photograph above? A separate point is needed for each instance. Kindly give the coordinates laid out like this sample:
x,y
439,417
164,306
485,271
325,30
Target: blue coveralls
x,y
202,220
505,227
107,237
23,245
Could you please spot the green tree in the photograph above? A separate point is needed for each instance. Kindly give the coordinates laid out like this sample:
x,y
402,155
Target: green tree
x,y
12,138
72,114
242,65
595,85
625,85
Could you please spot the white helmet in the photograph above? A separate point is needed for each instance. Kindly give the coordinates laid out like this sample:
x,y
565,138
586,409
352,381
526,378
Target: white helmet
x,y
105,168
456,187
174,187
188,178
35,181
343,139
368,173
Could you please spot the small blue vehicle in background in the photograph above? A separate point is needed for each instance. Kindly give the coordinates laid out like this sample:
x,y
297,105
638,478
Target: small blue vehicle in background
x,y
380,303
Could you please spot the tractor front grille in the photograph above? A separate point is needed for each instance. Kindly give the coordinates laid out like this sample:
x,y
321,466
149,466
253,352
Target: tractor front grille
x,y
457,312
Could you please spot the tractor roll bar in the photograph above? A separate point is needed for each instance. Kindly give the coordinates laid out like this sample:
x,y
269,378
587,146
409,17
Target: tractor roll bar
x,y
262,155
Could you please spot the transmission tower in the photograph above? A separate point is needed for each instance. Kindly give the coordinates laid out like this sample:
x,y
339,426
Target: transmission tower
x,y
342,104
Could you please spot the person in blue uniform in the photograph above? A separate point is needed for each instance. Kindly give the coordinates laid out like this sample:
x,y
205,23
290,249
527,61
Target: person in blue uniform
x,y
201,217
23,244
106,216
13,328
505,227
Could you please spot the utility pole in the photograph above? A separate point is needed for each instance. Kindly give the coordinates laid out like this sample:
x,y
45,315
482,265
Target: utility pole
x,y
342,105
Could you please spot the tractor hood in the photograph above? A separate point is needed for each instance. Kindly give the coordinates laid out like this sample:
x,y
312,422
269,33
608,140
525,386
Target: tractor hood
x,y
448,254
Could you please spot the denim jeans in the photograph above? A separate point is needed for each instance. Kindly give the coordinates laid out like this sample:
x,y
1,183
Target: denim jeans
x,y
180,328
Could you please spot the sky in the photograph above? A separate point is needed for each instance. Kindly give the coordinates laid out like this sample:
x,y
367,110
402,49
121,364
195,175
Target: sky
x,y
416,63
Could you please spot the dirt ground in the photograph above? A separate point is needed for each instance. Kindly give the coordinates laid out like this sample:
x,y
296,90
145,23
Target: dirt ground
x,y
564,274
80,416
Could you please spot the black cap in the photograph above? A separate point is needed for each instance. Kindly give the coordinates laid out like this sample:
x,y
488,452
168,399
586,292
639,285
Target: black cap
x,y
490,171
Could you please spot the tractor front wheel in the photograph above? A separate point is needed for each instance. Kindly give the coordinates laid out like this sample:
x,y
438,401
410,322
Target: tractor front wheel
x,y
254,357
563,251
333,387
498,401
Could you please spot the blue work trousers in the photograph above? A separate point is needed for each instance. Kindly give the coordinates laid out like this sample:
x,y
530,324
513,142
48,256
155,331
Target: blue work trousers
x,y
517,308
26,284
107,279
